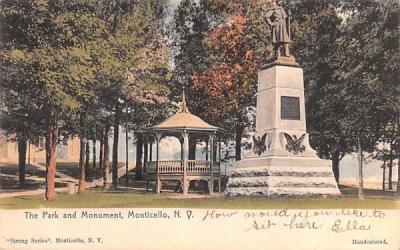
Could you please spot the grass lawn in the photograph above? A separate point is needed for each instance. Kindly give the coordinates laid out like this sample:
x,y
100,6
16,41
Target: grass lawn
x,y
72,169
99,199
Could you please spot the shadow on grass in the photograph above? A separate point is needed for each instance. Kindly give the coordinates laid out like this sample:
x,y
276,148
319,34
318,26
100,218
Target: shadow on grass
x,y
350,191
72,169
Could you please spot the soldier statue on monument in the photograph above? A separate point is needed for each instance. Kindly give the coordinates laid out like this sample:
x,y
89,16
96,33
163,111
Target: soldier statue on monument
x,y
277,19
282,162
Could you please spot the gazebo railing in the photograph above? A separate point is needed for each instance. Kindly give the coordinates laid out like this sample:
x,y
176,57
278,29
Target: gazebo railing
x,y
198,166
169,166
164,166
177,166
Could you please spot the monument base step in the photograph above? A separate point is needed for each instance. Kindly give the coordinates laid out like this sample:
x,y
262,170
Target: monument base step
x,y
279,191
292,180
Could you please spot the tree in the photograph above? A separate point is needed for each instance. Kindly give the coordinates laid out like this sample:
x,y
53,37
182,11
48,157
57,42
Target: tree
x,y
388,148
398,171
131,63
18,119
225,77
19,122
56,63
139,156
68,55
366,77
315,27
106,159
32,54
191,24
20,111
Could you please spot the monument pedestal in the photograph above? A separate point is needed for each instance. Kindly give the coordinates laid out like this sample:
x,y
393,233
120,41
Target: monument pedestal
x,y
282,161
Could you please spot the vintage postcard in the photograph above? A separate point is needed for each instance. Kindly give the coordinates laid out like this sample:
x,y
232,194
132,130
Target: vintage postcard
x,y
199,124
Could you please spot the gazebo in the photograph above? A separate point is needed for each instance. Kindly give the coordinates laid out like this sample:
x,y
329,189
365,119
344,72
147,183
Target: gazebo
x,y
183,125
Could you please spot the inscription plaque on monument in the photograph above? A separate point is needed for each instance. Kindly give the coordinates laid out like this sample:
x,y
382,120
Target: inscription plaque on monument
x,y
290,108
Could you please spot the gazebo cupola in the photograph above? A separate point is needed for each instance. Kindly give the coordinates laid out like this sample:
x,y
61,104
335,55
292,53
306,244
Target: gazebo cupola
x,y
183,125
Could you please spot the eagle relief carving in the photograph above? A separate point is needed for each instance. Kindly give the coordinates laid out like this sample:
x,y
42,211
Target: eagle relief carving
x,y
294,145
259,146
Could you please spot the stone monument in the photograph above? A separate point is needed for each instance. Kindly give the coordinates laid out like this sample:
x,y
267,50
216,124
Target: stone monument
x,y
282,161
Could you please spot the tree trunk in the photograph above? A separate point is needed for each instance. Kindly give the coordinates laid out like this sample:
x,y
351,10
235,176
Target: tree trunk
x,y
87,160
383,175
82,169
94,154
360,171
115,147
101,153
51,158
398,180
238,145
106,162
145,153
139,156
398,162
335,165
22,160
127,156
390,165
29,153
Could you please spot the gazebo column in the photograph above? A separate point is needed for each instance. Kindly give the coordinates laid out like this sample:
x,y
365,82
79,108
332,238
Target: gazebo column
x,y
151,150
145,153
211,180
182,154
217,155
185,156
207,150
145,161
158,180
219,151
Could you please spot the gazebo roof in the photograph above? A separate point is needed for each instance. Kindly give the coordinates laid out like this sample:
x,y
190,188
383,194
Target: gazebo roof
x,y
183,119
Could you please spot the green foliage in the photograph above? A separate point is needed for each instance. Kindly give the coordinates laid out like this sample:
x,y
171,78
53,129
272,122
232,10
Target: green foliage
x,y
214,60
368,79
190,26
315,27
349,52
71,55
